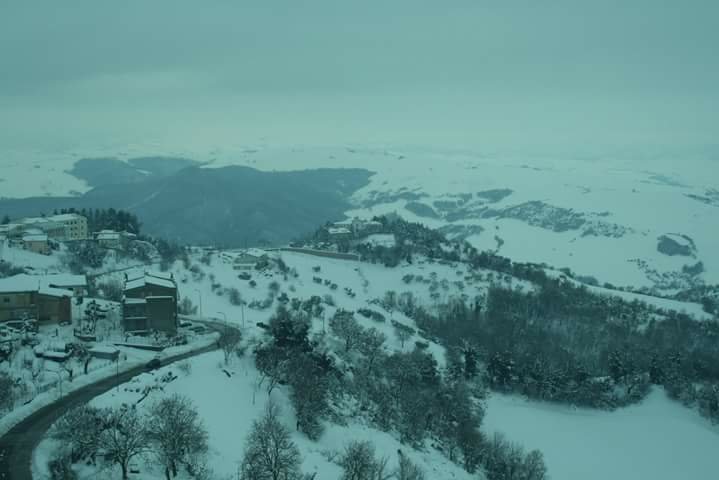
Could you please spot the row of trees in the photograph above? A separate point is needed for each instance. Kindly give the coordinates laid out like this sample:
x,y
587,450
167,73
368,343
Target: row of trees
x,y
88,254
560,342
170,431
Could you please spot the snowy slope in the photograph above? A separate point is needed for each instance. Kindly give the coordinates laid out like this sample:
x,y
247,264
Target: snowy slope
x,y
637,197
228,406
657,439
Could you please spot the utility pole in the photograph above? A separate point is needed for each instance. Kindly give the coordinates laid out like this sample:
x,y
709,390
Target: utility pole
x,y
199,294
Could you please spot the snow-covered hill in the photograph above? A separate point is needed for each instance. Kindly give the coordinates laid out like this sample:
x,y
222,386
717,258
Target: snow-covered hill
x,y
589,443
228,406
657,439
601,216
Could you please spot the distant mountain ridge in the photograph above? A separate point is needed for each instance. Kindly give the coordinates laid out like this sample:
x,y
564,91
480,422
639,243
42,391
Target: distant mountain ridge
x,y
229,206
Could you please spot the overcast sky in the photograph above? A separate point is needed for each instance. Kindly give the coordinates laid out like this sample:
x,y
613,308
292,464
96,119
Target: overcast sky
x,y
461,73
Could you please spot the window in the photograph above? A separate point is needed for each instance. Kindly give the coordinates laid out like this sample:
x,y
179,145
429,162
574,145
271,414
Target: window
x,y
5,300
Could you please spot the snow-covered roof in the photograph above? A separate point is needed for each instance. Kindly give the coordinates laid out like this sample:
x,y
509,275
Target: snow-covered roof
x,y
338,231
54,292
108,235
20,283
66,280
34,220
66,217
150,279
45,284
35,237
104,349
52,354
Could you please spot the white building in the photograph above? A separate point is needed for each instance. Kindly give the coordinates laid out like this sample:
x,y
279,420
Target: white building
x,y
64,227
75,225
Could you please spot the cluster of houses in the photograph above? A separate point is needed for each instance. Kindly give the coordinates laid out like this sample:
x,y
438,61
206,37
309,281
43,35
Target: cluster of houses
x,y
36,233
149,302
352,229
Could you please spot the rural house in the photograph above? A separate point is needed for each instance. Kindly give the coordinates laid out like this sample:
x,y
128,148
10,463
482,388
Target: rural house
x,y
36,241
248,259
32,297
150,303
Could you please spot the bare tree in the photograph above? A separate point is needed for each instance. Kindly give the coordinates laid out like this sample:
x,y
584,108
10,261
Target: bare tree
x,y
407,470
7,393
81,429
359,463
403,334
371,344
271,362
176,432
229,342
310,389
125,436
344,325
270,453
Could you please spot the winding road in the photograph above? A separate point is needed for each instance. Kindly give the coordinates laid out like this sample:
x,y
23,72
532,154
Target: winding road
x,y
18,444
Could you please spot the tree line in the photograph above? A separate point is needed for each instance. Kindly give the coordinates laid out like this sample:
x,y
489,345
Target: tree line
x,y
560,342
402,392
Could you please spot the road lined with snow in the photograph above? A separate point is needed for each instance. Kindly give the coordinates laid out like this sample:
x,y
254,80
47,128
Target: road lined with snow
x,y
17,445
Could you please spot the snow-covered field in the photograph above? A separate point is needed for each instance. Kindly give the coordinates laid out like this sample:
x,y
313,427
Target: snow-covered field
x,y
229,405
657,439
646,196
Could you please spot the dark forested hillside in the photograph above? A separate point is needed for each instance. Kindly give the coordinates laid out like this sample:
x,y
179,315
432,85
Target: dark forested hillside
x,y
230,206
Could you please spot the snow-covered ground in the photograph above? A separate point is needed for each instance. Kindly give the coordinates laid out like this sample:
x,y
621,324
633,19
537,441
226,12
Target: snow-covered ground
x,y
648,195
129,359
431,283
657,439
228,406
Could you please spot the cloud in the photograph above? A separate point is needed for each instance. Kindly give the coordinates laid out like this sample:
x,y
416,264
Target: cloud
x,y
512,72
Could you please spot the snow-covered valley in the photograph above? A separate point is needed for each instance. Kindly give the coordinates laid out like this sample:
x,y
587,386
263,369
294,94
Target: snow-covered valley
x,y
601,216
657,438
